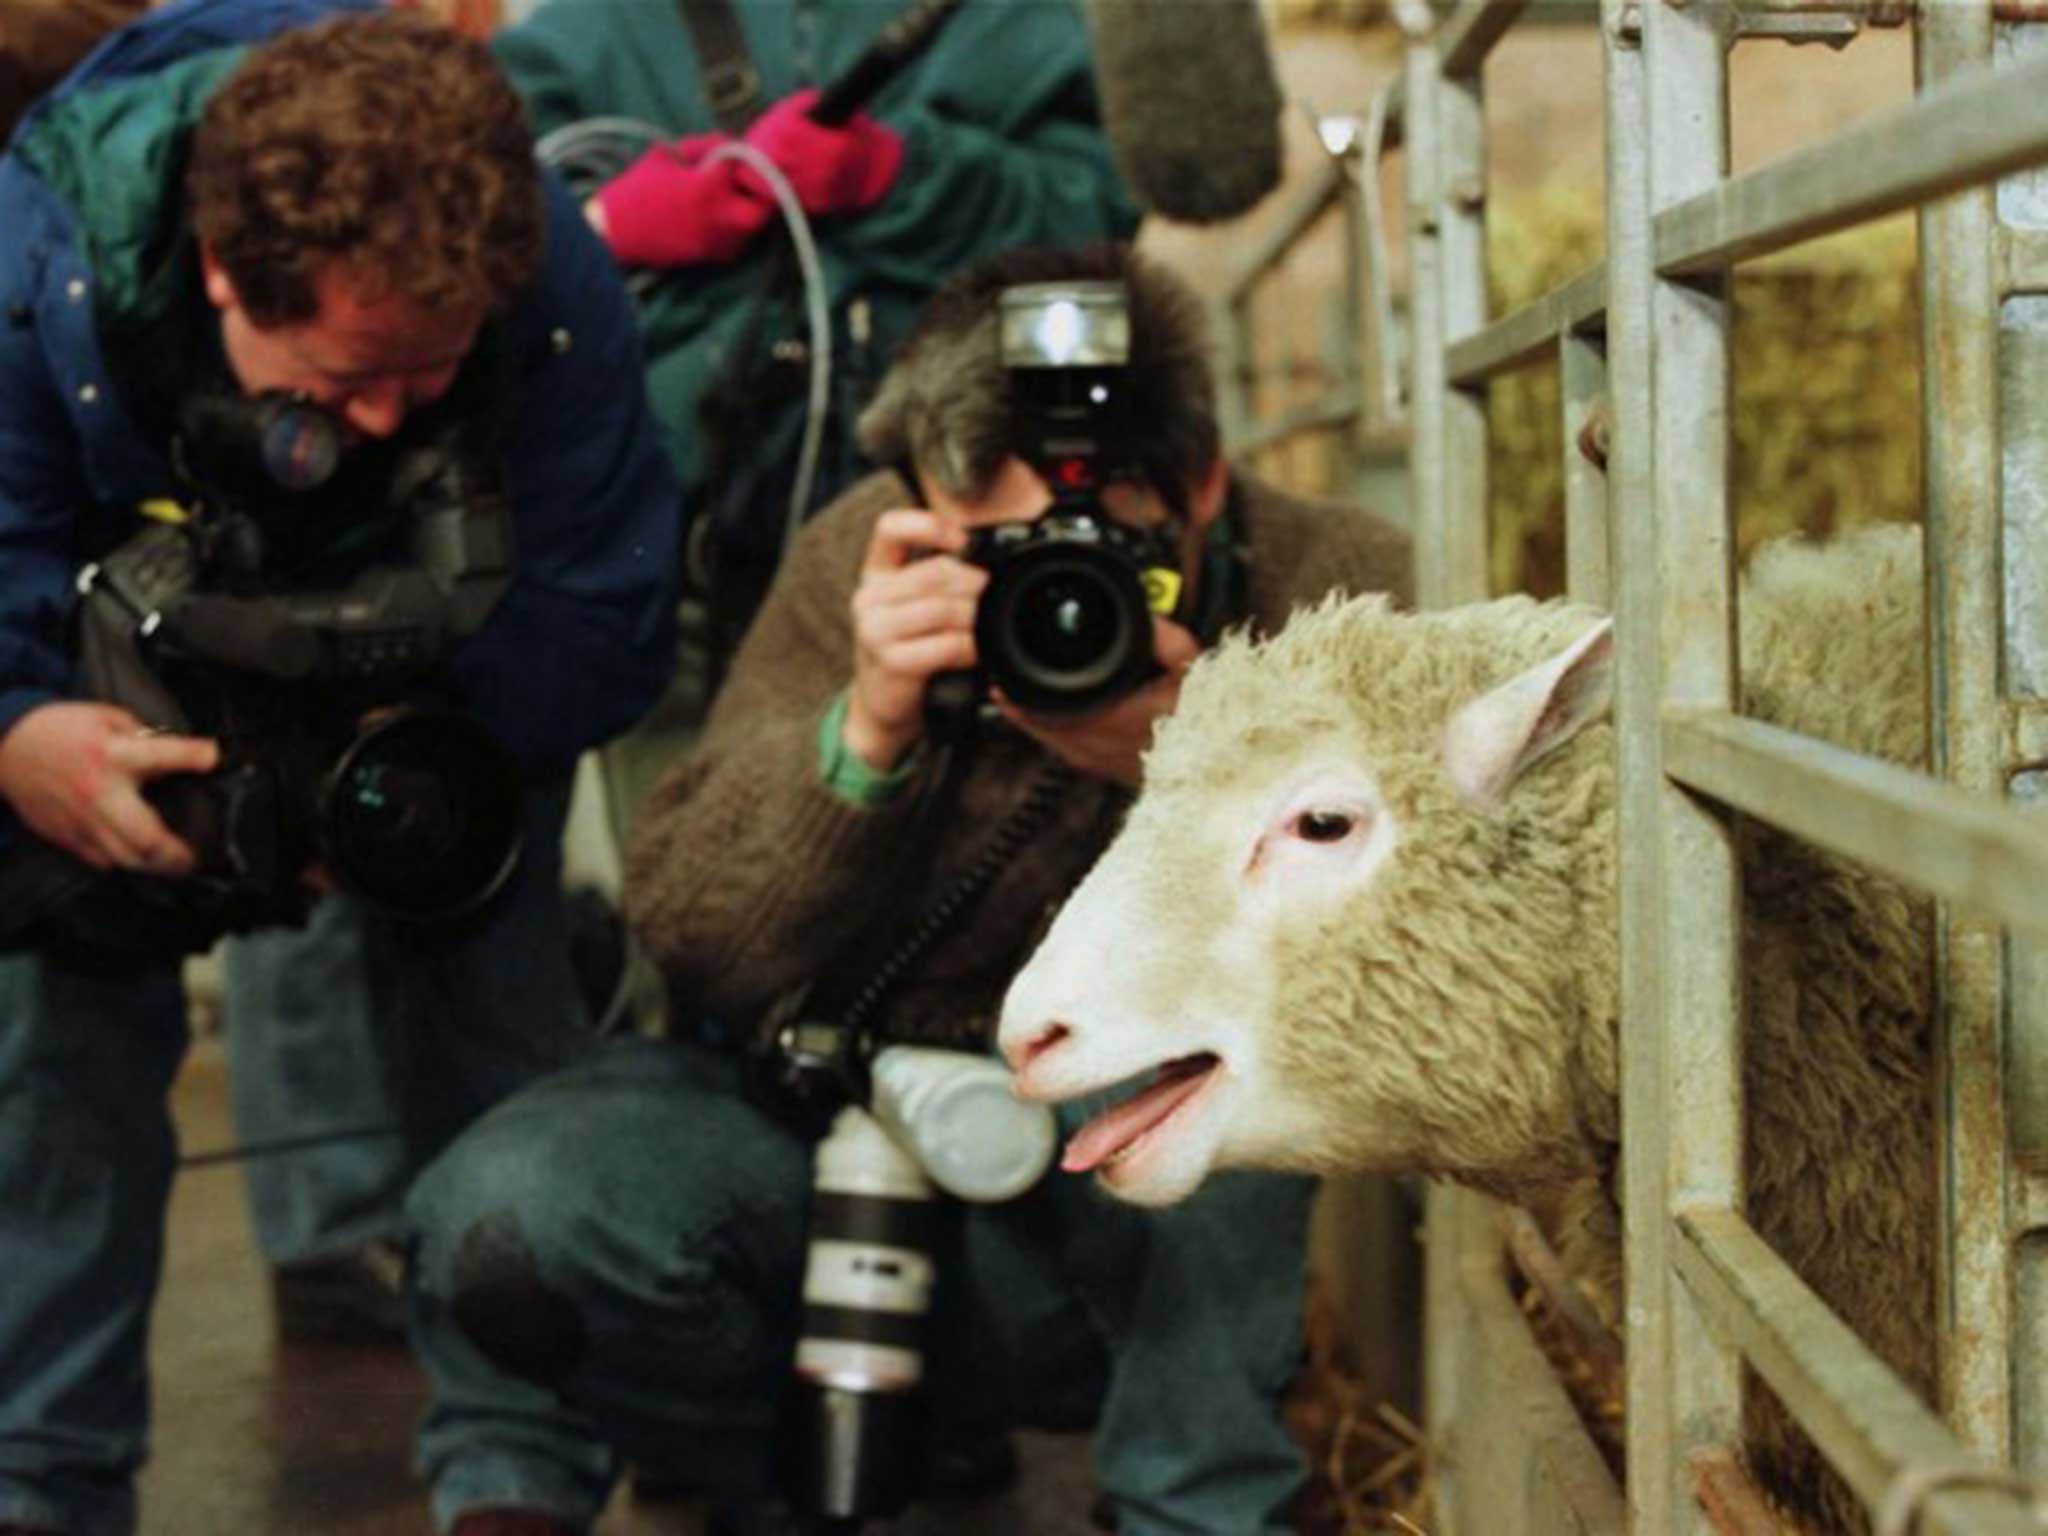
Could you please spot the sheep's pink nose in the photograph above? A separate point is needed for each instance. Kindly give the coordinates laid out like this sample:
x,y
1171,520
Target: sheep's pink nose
x,y
1022,1053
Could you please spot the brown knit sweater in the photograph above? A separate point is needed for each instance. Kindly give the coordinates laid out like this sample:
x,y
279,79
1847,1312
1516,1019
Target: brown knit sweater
x,y
747,876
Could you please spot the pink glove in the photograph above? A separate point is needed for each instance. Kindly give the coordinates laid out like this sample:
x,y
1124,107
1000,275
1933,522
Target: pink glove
x,y
832,170
670,208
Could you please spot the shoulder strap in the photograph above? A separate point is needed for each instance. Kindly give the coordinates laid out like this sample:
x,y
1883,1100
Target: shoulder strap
x,y
724,66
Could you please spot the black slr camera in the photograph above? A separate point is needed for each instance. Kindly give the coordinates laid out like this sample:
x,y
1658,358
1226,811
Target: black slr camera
x,y
205,623
1065,623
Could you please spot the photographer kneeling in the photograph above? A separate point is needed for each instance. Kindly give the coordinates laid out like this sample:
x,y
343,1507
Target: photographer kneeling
x,y
926,738
333,528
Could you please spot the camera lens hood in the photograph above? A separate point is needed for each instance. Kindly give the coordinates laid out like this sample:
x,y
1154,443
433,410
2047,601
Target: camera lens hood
x,y
423,815
1064,625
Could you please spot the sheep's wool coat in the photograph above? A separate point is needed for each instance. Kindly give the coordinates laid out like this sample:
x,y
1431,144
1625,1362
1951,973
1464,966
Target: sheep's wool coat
x,y
1471,1029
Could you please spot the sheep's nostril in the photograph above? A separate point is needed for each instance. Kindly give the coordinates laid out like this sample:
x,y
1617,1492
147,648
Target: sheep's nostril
x,y
1022,1056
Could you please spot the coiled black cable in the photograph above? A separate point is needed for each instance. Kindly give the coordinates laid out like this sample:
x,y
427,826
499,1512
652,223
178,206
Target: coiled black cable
x,y
1011,834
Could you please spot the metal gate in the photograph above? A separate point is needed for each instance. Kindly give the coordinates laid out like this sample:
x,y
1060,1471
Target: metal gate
x,y
1649,534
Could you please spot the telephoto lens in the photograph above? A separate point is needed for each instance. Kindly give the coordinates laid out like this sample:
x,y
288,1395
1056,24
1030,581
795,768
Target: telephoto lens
x,y
857,1433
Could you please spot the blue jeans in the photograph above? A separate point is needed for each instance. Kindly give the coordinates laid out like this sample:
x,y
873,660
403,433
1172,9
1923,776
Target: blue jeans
x,y
642,1228
307,1021
90,1038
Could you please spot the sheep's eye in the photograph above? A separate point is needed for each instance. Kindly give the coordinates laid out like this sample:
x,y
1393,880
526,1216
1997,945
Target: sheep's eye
x,y
1324,826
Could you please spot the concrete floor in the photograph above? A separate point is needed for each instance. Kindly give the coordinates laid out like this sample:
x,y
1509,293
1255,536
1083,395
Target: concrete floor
x,y
255,1438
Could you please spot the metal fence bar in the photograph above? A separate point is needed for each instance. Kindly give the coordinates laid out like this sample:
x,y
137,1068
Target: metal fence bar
x,y
1461,204
1350,363
1340,408
1470,33
1517,1461
1445,1321
1864,1418
1322,191
1966,132
1654,1465
1231,312
1582,390
1960,453
1949,842
1523,1462
2022,260
1523,335
2022,360
1682,1126
1427,392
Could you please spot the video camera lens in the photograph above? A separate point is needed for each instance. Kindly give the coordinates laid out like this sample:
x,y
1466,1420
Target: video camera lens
x,y
422,815
1064,625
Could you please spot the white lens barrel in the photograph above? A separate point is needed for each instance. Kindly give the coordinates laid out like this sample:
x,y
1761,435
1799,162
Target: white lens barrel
x,y
955,1110
868,1269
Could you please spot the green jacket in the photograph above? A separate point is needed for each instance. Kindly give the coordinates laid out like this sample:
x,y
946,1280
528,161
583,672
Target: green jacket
x,y
1003,147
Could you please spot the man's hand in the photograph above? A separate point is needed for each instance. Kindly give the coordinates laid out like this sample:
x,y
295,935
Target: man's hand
x,y
913,618
1110,742
74,773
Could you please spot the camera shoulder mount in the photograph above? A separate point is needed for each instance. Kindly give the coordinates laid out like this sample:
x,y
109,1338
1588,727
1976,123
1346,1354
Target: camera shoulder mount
x,y
166,587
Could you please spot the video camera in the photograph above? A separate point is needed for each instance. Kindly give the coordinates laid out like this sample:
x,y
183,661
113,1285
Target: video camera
x,y
1065,623
203,623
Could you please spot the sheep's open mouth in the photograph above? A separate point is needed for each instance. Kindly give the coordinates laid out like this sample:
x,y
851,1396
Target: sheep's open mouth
x,y
1115,1132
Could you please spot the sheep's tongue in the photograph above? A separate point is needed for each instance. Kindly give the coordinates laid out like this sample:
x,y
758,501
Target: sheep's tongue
x,y
1114,1129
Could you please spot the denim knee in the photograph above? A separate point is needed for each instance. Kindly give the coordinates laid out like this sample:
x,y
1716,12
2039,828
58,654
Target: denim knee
x,y
485,1245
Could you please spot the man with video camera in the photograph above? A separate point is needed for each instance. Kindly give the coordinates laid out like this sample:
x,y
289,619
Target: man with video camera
x,y
613,1264
333,527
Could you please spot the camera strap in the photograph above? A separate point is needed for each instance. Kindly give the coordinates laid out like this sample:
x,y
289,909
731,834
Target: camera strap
x,y
1012,834
1225,594
725,69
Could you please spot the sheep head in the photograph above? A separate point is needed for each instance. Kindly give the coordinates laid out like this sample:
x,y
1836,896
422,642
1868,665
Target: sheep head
x,y
1359,918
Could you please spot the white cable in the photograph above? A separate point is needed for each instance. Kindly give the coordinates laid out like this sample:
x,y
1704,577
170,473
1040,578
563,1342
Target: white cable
x,y
816,312
590,151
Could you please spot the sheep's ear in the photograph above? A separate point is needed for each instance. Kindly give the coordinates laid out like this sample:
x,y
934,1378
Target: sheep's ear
x,y
1492,740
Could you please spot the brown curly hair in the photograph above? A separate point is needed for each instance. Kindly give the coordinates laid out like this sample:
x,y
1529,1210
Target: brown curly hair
x,y
387,143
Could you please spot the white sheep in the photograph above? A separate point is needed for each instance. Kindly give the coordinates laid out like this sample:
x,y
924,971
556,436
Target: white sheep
x,y
1362,917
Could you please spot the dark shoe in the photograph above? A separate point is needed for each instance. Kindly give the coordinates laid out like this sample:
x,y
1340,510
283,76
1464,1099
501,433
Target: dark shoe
x,y
10,1528
512,1522
966,1462
356,1298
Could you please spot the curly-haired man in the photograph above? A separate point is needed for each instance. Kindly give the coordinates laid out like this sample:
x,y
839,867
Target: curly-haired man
x,y
331,210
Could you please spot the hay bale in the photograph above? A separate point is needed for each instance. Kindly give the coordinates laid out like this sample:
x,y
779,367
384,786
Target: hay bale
x,y
1826,373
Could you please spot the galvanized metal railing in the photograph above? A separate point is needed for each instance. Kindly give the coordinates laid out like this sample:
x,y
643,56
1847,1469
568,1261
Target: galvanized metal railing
x,y
1359,401
1648,331
1513,1457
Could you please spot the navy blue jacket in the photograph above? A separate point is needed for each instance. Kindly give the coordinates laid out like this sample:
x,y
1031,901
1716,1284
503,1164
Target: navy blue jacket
x,y
581,644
